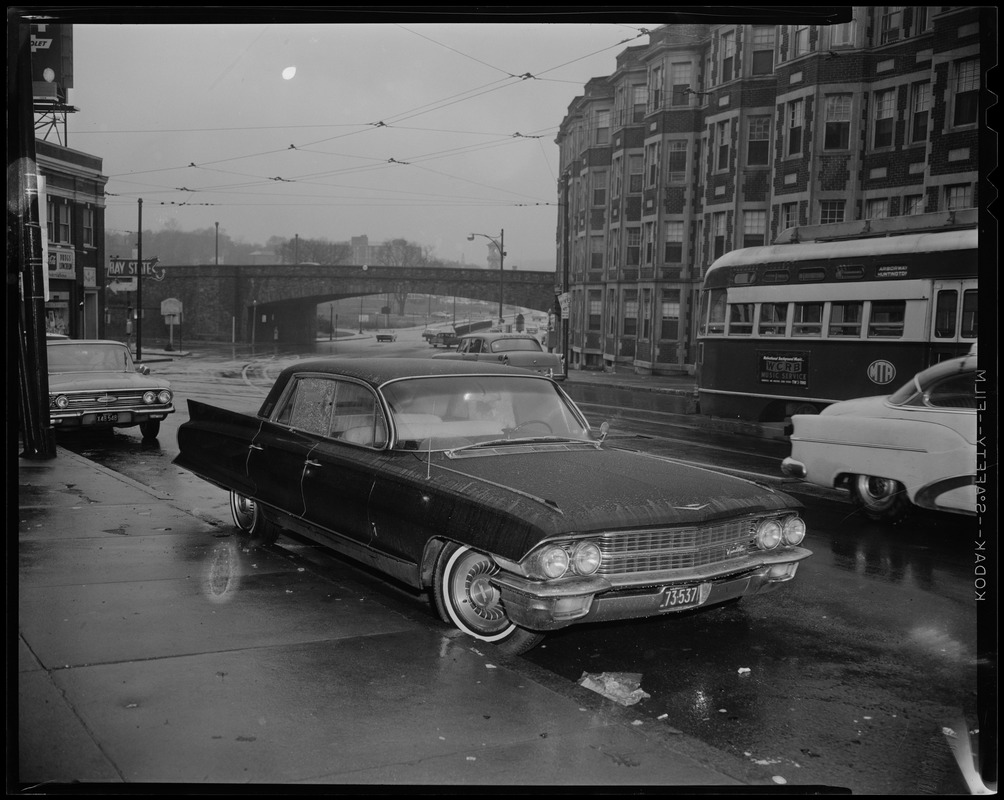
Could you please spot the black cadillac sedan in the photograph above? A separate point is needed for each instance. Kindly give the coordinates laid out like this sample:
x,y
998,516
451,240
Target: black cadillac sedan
x,y
487,486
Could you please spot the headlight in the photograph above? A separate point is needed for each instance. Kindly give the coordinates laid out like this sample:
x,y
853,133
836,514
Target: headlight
x,y
794,530
164,397
554,562
149,397
586,558
768,534
61,401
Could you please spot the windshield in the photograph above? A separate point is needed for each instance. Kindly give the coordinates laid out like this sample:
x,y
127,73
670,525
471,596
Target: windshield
x,y
443,413
89,357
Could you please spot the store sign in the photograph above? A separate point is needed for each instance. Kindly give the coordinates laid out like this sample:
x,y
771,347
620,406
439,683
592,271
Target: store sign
x,y
62,265
564,301
126,268
785,367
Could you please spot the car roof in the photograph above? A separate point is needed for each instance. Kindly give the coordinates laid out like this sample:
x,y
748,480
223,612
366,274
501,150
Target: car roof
x,y
490,335
378,371
950,366
61,342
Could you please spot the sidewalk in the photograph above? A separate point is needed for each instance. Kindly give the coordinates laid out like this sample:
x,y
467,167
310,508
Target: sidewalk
x,y
152,649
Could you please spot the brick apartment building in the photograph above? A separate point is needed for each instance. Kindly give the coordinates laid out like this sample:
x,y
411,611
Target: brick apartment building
x,y
716,137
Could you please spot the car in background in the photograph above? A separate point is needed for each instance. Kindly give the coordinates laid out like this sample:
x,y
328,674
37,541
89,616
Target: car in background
x,y
94,384
445,339
389,336
913,448
510,349
487,487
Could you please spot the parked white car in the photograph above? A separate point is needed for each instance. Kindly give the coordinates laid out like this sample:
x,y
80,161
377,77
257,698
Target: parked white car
x,y
916,447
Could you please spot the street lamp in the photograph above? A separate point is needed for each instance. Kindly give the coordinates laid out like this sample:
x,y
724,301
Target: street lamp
x,y
500,247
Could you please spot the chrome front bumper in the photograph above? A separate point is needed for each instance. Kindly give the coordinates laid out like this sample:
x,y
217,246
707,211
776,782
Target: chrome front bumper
x,y
548,606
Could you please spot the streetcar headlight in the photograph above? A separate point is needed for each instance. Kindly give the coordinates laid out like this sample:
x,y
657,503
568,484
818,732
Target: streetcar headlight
x,y
586,558
149,397
164,397
793,530
768,534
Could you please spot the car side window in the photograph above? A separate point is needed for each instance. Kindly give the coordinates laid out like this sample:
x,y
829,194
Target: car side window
x,y
957,391
308,406
356,417
474,346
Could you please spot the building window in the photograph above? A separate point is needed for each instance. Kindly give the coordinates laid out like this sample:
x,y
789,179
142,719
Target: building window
x,y
885,112
722,139
603,127
921,19
796,119
799,41
50,220
838,122
673,244
677,161
728,46
596,252
831,211
618,171
967,89
842,34
754,228
595,318
920,111
652,157
718,232
789,215
600,188
612,308
646,313
913,204
633,247
758,145
680,77
639,102
670,315
877,209
958,196
763,50
649,242
890,24
636,173
655,90
63,229
629,325
88,224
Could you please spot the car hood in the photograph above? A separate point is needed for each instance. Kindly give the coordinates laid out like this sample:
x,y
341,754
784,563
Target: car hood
x,y
85,381
604,489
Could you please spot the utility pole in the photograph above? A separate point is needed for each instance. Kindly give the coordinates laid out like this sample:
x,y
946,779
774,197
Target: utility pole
x,y
139,285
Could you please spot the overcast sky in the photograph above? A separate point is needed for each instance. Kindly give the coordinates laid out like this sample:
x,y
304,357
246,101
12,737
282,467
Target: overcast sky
x,y
416,131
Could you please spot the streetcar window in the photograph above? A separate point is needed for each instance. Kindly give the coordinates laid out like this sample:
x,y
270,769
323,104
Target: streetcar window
x,y
969,307
848,272
716,312
743,278
812,274
845,319
773,319
886,318
740,319
808,319
775,276
945,314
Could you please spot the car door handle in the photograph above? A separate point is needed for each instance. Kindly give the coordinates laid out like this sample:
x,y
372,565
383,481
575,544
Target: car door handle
x,y
255,447
311,463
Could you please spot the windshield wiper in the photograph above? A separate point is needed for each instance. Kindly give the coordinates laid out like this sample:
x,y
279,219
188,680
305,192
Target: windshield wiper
x,y
520,440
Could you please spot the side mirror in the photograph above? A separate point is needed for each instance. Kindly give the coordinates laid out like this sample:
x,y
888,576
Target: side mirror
x,y
143,369
604,430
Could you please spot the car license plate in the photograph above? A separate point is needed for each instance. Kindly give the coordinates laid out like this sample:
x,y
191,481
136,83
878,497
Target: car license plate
x,y
681,597
107,418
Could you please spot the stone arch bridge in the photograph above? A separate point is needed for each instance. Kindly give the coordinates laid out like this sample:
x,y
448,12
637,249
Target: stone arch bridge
x,y
222,301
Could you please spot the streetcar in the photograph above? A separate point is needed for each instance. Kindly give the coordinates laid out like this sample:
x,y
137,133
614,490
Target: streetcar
x,y
792,327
